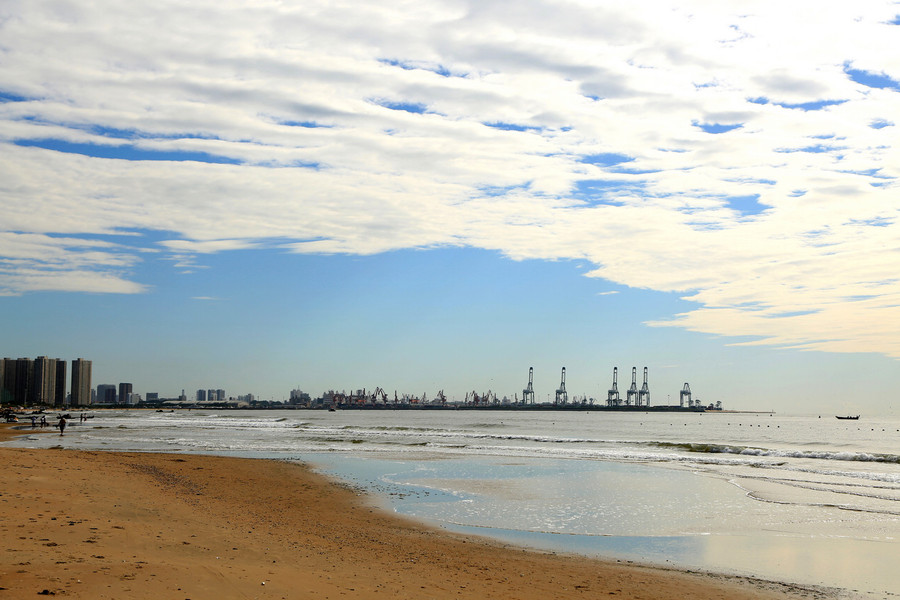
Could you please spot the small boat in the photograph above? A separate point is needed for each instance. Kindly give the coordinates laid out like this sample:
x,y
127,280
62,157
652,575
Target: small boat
x,y
847,418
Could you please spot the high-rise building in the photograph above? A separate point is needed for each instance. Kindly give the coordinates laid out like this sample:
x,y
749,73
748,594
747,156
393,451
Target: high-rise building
x,y
106,393
211,395
23,393
201,395
38,381
7,380
220,395
125,390
44,381
59,397
81,382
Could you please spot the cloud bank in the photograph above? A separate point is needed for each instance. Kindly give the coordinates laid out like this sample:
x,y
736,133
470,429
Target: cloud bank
x,y
743,154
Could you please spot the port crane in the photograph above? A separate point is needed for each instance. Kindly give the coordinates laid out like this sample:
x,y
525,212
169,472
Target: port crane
x,y
631,396
612,396
562,397
644,394
685,394
528,392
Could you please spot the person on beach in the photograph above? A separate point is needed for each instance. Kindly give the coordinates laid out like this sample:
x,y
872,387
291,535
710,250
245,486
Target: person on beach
x,y
43,421
61,424
33,421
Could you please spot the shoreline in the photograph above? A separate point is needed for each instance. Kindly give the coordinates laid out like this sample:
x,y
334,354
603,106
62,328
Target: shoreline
x,y
145,525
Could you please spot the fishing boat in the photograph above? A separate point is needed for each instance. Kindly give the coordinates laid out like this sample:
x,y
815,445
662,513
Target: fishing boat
x,y
847,418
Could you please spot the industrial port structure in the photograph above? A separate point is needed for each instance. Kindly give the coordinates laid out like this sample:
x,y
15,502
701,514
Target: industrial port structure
x,y
635,398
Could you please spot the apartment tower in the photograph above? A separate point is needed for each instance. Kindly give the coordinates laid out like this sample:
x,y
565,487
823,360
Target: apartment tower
x,y
81,382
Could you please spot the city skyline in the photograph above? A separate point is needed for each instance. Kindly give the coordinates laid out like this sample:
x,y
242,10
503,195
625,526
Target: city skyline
x,y
24,382
441,196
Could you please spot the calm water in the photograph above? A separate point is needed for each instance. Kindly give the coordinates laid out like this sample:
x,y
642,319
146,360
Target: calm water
x,y
799,499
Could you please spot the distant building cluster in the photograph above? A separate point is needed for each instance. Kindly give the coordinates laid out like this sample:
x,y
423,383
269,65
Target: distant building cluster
x,y
299,397
215,397
211,395
43,381
108,393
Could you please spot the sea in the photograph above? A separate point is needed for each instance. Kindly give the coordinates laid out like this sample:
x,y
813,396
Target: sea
x,y
805,500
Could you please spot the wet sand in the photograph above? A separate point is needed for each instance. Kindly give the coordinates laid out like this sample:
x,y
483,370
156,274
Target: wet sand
x,y
125,525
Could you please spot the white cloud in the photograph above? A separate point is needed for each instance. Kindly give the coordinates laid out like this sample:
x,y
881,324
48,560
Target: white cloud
x,y
32,262
502,103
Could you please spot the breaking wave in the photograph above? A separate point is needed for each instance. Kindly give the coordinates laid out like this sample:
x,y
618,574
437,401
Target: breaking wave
x,y
752,451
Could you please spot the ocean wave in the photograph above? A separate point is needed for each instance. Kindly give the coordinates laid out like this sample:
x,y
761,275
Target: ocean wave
x,y
707,448
399,429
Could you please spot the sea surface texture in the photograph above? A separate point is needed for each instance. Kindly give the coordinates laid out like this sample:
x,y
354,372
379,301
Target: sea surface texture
x,y
810,500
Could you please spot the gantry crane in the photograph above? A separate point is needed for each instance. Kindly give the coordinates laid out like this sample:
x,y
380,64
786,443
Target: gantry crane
x,y
685,393
631,397
644,394
562,397
528,392
612,396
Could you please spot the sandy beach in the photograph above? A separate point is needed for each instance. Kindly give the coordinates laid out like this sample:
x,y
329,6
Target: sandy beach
x,y
128,525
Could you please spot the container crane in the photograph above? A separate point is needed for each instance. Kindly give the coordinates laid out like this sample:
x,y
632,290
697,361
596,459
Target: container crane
x,y
528,392
612,396
685,393
644,394
562,397
631,397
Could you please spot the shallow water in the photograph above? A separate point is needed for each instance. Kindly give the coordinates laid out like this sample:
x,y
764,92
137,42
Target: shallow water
x,y
799,499
642,512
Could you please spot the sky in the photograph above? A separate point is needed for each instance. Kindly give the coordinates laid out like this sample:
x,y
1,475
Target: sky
x,y
437,195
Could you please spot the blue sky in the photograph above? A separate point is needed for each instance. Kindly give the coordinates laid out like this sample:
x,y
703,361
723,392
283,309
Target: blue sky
x,y
267,197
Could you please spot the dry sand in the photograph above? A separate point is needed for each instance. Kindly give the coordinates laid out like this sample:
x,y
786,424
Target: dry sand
x,y
124,525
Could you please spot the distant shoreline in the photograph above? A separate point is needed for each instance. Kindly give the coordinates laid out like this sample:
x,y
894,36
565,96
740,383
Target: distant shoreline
x,y
522,407
406,406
